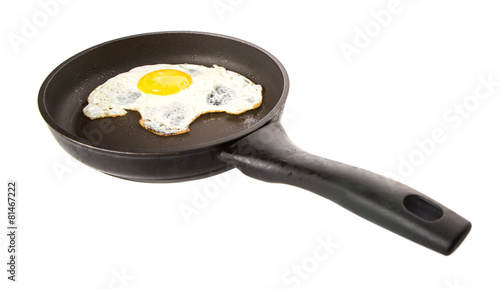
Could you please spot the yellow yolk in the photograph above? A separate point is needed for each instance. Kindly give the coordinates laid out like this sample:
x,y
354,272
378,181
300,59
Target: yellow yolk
x,y
164,82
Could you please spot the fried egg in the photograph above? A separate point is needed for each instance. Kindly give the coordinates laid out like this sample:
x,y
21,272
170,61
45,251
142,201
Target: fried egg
x,y
170,97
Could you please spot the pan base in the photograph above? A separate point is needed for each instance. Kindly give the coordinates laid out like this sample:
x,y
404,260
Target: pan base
x,y
175,180
151,168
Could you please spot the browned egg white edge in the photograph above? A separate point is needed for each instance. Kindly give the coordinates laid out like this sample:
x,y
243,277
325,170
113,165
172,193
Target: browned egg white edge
x,y
141,122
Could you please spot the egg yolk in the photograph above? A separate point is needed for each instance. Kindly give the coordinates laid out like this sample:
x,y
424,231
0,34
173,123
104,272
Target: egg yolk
x,y
164,82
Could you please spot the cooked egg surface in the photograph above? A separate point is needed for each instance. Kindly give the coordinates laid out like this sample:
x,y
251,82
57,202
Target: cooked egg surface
x,y
170,97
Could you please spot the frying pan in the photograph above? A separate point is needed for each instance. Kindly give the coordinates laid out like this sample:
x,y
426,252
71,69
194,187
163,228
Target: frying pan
x,y
253,142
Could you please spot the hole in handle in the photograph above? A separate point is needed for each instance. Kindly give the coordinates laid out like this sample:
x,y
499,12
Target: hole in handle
x,y
422,208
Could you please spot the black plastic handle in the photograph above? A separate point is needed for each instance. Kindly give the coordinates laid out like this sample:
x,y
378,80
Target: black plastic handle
x,y
269,155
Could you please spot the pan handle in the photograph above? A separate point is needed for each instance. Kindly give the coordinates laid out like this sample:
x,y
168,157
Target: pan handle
x,y
269,155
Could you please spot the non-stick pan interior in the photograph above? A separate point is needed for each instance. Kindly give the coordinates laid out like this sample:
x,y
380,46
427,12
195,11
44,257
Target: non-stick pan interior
x,y
64,94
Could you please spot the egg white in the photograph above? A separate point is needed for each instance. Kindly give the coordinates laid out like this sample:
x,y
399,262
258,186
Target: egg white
x,y
213,89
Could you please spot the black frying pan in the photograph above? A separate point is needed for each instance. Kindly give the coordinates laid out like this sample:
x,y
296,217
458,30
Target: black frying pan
x,y
253,142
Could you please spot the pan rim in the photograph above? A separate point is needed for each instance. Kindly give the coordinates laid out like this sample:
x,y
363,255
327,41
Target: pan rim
x,y
142,152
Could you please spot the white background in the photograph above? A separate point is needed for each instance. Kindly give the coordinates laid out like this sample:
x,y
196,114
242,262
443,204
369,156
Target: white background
x,y
82,229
